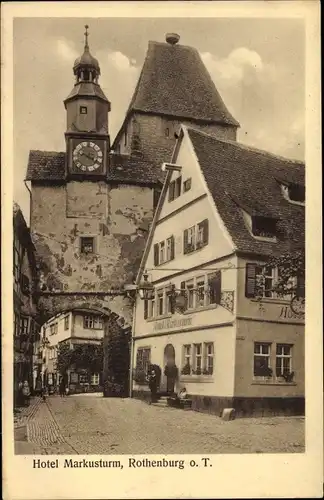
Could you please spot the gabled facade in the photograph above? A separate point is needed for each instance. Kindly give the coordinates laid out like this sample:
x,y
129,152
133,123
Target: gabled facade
x,y
71,328
26,326
203,258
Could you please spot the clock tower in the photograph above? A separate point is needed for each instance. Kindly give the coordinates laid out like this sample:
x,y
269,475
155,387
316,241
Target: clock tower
x,y
87,108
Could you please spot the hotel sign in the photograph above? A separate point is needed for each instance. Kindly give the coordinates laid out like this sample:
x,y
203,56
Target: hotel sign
x,y
167,324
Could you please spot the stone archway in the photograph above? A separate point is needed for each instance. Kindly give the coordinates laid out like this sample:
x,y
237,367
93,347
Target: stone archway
x,y
116,313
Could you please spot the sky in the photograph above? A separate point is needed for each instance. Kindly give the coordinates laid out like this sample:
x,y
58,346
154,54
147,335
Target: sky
x,y
257,65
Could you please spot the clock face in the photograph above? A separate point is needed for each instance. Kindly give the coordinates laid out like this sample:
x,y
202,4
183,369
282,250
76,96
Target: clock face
x,y
87,156
298,305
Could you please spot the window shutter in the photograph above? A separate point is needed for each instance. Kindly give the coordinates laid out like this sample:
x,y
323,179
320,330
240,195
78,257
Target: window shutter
x,y
171,191
301,285
156,254
145,308
185,241
215,287
172,247
204,225
250,280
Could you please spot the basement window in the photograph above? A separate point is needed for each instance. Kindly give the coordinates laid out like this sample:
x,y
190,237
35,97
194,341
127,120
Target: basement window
x,y
87,245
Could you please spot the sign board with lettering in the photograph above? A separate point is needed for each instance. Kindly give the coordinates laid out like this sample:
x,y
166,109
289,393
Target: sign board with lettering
x,y
167,324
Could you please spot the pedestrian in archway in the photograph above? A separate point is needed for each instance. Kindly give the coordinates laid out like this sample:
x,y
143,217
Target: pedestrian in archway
x,y
152,382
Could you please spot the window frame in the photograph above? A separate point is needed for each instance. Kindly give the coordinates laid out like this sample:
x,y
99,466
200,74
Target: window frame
x,y
266,356
187,185
282,356
82,243
208,357
66,322
197,356
94,320
95,379
83,108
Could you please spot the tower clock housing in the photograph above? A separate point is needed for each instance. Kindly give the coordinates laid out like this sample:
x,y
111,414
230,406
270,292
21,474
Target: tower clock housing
x,y
87,108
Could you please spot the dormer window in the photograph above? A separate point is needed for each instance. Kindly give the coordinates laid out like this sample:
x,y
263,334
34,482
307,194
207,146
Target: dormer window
x,y
294,193
263,227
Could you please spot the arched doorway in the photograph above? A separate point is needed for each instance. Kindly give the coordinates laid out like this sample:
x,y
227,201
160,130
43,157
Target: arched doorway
x,y
170,369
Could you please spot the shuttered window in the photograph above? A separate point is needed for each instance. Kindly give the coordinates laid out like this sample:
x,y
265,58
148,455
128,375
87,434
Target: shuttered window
x,y
250,280
156,254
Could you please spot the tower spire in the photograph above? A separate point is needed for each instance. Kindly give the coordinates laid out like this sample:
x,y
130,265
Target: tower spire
x,y
86,34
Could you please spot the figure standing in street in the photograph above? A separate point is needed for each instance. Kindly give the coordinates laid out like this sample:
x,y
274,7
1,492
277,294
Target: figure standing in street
x,y
152,381
62,387
26,393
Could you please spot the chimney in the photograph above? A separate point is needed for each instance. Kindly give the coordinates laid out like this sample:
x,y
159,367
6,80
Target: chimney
x,y
172,38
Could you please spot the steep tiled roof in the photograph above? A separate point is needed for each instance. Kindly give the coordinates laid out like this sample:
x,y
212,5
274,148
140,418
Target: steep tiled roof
x,y
240,177
133,169
174,81
50,165
87,89
46,165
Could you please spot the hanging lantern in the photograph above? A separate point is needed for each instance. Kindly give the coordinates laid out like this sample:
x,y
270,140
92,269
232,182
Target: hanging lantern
x,y
145,289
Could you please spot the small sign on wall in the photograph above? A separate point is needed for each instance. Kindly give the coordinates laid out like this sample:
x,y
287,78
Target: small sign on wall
x,y
74,378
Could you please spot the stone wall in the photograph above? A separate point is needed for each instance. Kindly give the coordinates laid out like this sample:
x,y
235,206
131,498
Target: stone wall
x,y
117,217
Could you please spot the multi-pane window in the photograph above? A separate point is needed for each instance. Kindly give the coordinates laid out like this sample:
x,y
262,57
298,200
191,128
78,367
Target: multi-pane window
x,y
24,326
169,250
66,322
200,292
190,294
283,359
95,379
261,366
151,308
87,244
53,329
161,252
209,357
195,237
143,358
160,302
83,378
83,110
164,251
187,355
197,359
92,322
265,278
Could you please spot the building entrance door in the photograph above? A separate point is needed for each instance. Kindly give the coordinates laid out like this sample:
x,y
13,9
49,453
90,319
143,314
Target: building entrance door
x,y
169,369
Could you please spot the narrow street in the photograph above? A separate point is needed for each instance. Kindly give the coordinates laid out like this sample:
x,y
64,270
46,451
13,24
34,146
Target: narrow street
x,y
91,424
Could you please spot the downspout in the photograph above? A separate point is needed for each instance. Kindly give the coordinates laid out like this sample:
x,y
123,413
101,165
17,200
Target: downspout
x,y
132,350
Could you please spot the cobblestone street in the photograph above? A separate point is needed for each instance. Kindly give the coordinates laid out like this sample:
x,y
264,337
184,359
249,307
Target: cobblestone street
x,y
91,424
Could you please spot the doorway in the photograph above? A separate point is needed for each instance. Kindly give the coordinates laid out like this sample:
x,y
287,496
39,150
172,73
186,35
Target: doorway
x,y
169,369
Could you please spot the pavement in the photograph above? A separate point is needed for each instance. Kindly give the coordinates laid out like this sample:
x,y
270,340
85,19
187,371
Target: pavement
x,y
96,425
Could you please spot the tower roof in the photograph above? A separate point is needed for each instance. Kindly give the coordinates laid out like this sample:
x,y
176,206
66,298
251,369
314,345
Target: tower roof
x,y
174,81
86,60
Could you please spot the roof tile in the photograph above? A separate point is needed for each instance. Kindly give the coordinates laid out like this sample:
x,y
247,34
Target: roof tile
x,y
239,176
